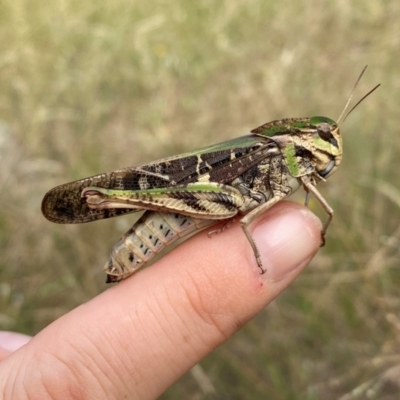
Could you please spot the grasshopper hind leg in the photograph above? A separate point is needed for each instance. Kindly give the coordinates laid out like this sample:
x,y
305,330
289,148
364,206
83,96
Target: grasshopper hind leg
x,y
223,228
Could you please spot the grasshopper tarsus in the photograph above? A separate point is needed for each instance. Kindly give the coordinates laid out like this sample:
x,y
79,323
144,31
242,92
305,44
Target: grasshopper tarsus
x,y
263,270
323,240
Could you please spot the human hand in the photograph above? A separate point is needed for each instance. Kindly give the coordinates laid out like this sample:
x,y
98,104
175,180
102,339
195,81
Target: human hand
x,y
137,338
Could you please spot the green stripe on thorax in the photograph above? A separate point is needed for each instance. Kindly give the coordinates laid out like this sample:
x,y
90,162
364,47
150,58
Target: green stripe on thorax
x,y
282,127
289,153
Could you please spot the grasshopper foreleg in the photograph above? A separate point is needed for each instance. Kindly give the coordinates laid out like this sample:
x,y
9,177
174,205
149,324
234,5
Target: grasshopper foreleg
x,y
310,188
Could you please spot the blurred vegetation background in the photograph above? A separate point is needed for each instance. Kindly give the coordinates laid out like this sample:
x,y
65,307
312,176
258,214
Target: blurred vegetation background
x,y
88,87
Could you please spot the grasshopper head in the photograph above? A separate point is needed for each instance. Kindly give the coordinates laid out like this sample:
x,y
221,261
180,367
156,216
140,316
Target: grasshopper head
x,y
308,145
326,145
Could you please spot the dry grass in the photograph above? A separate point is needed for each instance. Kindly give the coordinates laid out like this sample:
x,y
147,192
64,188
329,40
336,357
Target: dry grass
x,y
87,87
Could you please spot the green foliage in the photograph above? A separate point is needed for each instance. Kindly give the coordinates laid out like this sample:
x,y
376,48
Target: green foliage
x,y
88,87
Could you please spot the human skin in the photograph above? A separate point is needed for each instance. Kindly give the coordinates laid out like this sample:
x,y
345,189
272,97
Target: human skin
x,y
136,339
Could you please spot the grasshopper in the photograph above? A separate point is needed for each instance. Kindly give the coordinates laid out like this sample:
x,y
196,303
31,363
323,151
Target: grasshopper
x,y
192,191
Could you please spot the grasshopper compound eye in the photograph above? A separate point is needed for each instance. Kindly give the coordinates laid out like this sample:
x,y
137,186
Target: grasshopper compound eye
x,y
324,131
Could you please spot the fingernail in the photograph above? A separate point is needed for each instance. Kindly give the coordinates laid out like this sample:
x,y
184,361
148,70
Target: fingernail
x,y
285,239
12,341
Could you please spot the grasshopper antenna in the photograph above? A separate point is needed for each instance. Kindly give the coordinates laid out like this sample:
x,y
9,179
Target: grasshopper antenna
x,y
341,119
